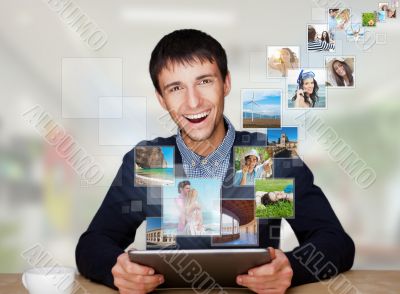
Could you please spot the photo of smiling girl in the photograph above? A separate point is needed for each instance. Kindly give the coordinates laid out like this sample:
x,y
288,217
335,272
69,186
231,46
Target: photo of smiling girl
x,y
325,37
340,71
306,89
280,59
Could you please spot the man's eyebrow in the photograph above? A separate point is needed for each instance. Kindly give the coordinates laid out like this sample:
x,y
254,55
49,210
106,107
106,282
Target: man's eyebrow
x,y
177,83
171,84
206,76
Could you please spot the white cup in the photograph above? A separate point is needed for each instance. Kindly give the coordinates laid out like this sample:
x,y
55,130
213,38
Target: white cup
x,y
49,280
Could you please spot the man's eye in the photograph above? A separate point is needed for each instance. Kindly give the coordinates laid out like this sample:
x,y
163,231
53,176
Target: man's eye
x,y
176,88
205,81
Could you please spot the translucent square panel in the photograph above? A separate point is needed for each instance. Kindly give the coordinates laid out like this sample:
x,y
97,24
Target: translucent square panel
x,y
110,107
85,80
127,130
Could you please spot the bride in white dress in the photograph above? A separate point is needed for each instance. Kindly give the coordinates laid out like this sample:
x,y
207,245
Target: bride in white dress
x,y
194,218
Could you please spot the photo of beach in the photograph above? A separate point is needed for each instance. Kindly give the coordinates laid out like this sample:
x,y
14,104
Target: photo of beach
x,y
154,165
319,87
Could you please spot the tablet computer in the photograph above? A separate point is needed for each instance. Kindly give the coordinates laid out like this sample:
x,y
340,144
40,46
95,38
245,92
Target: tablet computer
x,y
201,268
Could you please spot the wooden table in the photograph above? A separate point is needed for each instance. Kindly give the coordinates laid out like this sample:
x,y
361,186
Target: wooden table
x,y
363,281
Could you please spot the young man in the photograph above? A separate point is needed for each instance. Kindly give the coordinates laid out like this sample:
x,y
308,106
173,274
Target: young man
x,y
189,71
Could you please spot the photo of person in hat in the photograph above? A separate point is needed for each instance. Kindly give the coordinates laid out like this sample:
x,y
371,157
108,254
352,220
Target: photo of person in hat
x,y
252,169
340,71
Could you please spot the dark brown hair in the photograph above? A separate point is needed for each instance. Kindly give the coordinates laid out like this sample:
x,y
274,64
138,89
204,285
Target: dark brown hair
x,y
311,33
349,74
186,46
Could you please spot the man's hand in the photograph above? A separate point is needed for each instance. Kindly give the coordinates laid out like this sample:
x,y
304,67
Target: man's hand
x,y
132,278
274,277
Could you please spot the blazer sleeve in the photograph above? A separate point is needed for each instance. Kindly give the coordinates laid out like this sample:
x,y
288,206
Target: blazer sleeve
x,y
113,227
324,247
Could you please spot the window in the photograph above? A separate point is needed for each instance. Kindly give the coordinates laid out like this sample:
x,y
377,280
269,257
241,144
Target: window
x,y
236,226
229,225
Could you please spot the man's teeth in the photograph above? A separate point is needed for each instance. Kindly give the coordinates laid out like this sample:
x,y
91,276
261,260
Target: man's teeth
x,y
197,116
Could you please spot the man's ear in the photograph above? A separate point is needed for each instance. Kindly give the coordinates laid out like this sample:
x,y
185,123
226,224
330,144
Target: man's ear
x,y
227,84
161,100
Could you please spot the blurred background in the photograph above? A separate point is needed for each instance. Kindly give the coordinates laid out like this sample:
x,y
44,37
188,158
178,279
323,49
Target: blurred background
x,y
104,99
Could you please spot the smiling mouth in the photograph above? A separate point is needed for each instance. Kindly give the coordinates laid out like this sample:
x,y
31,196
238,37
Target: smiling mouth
x,y
197,118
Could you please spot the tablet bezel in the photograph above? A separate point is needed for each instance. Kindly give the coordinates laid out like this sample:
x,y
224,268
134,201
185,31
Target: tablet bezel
x,y
221,265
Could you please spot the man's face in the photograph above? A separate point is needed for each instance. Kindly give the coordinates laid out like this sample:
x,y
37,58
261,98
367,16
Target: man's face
x,y
194,94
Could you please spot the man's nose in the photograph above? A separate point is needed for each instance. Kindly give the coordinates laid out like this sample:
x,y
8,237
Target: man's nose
x,y
193,97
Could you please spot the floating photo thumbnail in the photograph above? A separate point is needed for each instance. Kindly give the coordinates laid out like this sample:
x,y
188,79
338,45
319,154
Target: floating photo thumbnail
x,y
156,238
282,143
369,19
251,162
387,9
338,20
280,59
154,165
192,207
238,224
306,88
319,38
261,108
340,71
274,198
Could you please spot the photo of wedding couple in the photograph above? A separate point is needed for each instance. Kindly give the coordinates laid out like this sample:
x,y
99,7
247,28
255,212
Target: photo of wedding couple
x,y
195,211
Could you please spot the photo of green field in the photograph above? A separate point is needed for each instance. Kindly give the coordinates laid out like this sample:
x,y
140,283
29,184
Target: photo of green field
x,y
279,208
369,19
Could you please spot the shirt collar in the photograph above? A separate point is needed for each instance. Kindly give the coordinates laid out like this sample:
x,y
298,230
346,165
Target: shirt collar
x,y
216,156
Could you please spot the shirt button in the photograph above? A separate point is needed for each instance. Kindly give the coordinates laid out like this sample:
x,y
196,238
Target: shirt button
x,y
193,163
216,163
204,161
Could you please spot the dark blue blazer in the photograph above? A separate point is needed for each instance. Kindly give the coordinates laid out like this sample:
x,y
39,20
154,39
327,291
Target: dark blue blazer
x,y
325,249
